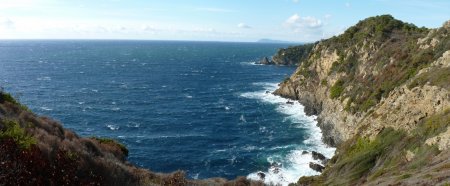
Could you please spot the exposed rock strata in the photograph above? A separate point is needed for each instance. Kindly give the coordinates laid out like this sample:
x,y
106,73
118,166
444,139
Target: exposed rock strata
x,y
403,106
380,75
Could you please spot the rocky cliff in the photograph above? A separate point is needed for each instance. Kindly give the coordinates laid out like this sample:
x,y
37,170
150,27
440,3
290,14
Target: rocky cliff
x,y
382,82
291,56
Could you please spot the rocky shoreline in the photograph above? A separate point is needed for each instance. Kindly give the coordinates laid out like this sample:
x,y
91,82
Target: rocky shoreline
x,y
355,87
291,56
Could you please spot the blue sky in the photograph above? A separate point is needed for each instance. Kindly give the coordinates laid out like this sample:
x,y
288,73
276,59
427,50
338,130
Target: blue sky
x,y
205,20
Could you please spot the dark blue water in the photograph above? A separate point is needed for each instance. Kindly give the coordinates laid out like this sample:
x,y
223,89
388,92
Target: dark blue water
x,y
176,105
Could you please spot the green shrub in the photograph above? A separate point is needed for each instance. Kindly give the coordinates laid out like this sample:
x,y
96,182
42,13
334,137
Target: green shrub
x,y
337,89
360,157
5,97
295,54
109,141
433,125
396,57
13,130
437,77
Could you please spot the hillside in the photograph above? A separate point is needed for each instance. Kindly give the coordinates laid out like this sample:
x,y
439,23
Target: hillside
x,y
291,56
381,93
37,150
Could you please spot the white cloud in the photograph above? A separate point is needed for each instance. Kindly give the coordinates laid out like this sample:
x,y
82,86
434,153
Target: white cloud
x,y
298,23
243,25
327,16
295,1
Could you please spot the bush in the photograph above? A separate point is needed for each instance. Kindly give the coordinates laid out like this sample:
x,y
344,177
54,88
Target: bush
x,y
112,142
436,77
337,89
359,156
5,97
13,130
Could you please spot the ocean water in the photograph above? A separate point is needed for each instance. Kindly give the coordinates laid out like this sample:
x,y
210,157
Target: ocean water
x,y
201,107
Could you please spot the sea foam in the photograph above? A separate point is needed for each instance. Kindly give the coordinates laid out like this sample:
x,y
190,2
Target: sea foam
x,y
296,162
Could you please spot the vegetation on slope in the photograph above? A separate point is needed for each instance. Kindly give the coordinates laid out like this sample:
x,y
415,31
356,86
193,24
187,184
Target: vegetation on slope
x,y
391,57
374,57
385,158
293,55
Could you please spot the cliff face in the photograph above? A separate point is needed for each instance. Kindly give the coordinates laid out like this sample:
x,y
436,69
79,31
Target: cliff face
x,y
291,56
380,75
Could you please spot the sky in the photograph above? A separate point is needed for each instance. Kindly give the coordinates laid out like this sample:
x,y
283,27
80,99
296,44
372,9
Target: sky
x,y
205,20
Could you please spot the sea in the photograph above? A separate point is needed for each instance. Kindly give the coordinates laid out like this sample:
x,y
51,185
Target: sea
x,y
206,108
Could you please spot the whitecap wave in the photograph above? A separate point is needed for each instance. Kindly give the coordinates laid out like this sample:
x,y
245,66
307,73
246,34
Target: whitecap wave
x,y
250,63
295,164
113,127
46,109
133,125
45,78
115,109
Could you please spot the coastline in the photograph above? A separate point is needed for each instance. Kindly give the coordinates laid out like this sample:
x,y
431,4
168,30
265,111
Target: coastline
x,y
297,161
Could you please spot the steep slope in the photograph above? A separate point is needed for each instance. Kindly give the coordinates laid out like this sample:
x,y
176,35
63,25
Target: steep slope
x,y
37,150
381,93
292,56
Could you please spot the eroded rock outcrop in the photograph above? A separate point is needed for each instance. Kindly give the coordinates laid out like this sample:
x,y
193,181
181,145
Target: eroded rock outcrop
x,y
291,56
379,77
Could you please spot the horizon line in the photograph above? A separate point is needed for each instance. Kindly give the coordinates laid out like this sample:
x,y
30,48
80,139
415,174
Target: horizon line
x,y
125,39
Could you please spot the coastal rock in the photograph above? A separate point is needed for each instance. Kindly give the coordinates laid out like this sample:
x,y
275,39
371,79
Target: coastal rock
x,y
319,156
292,56
261,175
367,90
409,155
311,84
316,167
442,140
266,61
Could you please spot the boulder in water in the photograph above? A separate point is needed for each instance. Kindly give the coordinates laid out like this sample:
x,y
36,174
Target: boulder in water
x,y
266,61
316,167
261,175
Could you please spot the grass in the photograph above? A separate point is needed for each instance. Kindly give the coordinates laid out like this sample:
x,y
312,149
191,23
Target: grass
x,y
13,130
359,156
337,89
360,159
437,77
394,59
433,125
